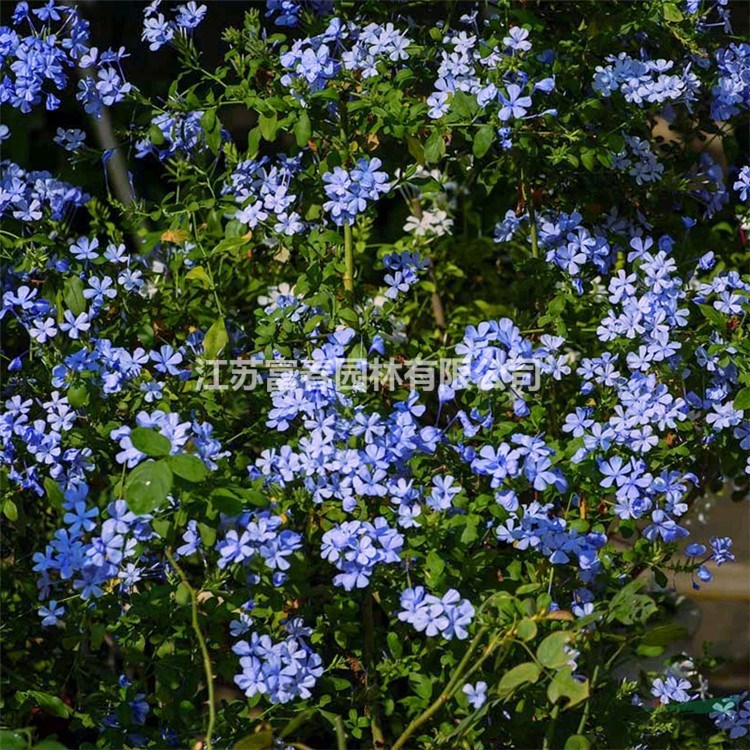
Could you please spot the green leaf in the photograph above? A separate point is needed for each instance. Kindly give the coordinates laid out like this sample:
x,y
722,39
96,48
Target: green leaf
x,y
216,339
576,742
212,128
150,442
47,702
464,105
12,740
73,295
260,741
182,595
742,400
188,467
551,652
147,486
526,629
208,120
302,129
422,685
198,273
664,634
395,645
588,158
564,685
155,135
78,396
702,707
54,493
713,316
519,675
47,744
671,12
225,501
483,140
415,148
435,565
268,126
10,511
434,148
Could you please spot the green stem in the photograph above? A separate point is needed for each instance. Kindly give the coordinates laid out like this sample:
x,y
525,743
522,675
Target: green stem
x,y
532,224
348,262
204,649
340,734
378,738
587,706
444,697
549,736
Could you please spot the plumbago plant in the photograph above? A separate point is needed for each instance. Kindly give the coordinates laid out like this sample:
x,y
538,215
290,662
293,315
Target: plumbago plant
x,y
239,512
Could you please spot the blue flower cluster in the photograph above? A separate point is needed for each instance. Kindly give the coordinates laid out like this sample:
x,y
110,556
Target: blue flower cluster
x,y
449,616
350,192
181,132
259,536
32,196
404,267
280,671
89,552
539,529
645,82
356,547
36,66
367,52
639,161
31,65
733,717
671,690
199,435
731,94
158,31
491,75
263,188
288,12
495,356
32,446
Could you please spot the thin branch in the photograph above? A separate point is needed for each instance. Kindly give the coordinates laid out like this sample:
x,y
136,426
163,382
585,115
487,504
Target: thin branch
x,y
438,312
348,262
444,697
202,644
378,738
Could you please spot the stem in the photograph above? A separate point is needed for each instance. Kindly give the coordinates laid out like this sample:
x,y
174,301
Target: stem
x,y
444,697
532,223
529,201
551,728
378,738
340,734
204,649
438,313
587,706
348,262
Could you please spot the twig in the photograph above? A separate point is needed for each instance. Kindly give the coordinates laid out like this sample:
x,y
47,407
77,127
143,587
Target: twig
x,y
340,734
202,644
348,262
437,304
529,200
378,738
444,697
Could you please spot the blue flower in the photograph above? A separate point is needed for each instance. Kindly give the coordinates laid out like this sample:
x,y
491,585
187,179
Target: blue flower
x,y
671,690
51,614
190,15
477,694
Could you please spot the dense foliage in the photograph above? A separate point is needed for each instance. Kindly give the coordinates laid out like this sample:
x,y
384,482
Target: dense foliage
x,y
242,505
